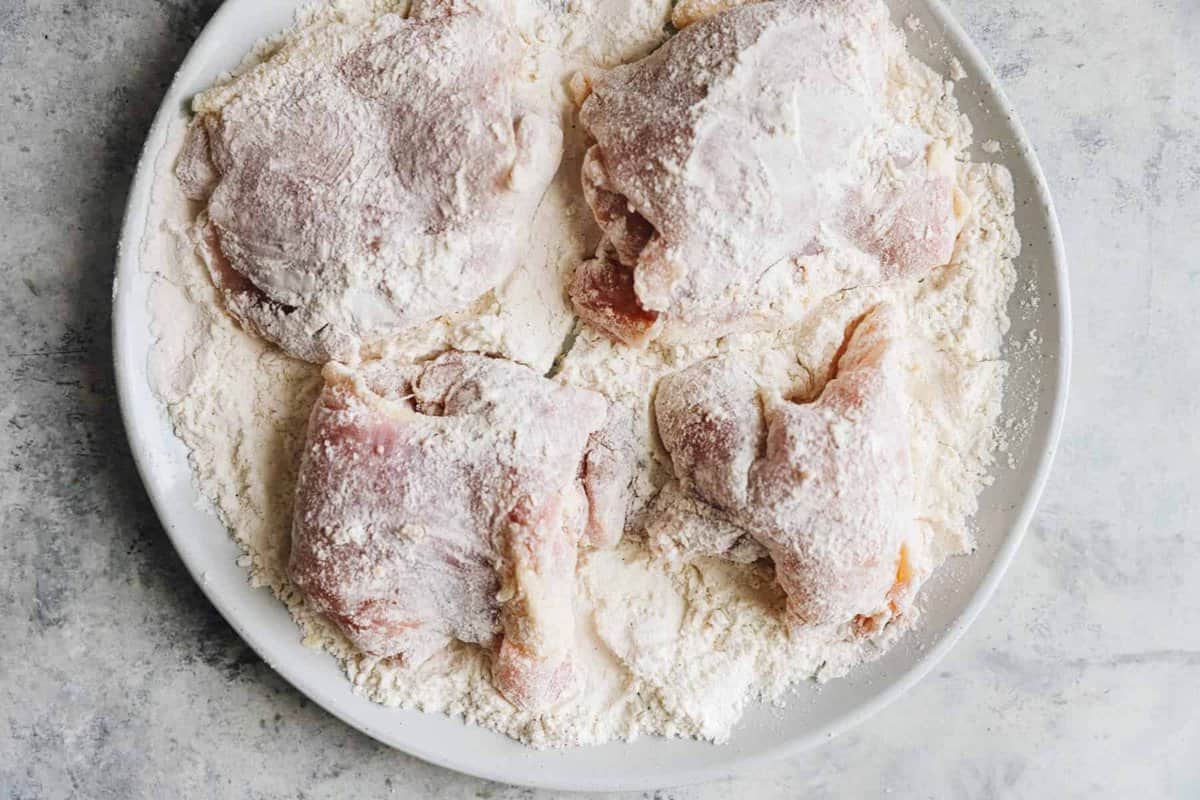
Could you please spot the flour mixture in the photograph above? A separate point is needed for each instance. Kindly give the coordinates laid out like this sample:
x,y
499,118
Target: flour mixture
x,y
668,639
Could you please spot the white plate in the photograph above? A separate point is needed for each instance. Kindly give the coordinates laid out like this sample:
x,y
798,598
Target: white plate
x,y
951,600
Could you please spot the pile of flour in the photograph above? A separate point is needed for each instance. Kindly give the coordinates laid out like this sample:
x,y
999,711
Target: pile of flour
x,y
665,650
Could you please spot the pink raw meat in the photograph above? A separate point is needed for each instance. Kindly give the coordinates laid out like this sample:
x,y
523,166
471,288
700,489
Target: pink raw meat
x,y
351,195
825,487
446,502
729,160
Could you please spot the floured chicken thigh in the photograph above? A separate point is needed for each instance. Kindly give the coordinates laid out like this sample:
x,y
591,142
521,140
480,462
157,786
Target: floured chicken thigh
x,y
446,501
750,166
359,185
825,487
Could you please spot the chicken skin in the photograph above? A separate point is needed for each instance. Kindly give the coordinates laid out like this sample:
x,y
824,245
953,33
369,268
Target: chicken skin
x,y
825,487
354,191
731,165
446,501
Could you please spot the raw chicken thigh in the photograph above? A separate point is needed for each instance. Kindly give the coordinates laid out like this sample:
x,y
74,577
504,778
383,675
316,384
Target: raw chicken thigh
x,y
750,166
355,191
445,502
825,487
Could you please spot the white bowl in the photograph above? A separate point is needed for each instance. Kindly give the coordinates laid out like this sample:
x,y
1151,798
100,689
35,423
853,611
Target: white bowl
x,y
951,600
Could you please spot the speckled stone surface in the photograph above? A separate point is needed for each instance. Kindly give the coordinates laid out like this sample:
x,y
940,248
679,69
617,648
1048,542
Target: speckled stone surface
x,y
1082,678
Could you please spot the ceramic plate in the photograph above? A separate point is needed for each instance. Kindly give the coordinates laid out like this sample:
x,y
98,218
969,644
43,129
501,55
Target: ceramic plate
x,y
951,600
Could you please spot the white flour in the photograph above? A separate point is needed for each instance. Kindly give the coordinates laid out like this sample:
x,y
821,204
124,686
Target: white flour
x,y
666,651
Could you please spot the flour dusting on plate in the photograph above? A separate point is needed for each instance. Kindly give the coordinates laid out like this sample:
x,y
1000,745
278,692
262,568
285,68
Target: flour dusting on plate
x,y
663,649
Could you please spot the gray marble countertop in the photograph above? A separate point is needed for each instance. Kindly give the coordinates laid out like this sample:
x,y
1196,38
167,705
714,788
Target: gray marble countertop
x,y
1082,678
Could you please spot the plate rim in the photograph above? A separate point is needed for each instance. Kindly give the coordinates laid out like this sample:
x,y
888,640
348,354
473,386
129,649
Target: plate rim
x,y
129,252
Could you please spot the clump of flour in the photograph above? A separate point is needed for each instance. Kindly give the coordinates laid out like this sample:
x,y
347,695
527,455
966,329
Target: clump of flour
x,y
677,651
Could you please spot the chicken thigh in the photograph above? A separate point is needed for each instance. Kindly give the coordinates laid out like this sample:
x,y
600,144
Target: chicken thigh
x,y
358,186
825,487
732,164
446,502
